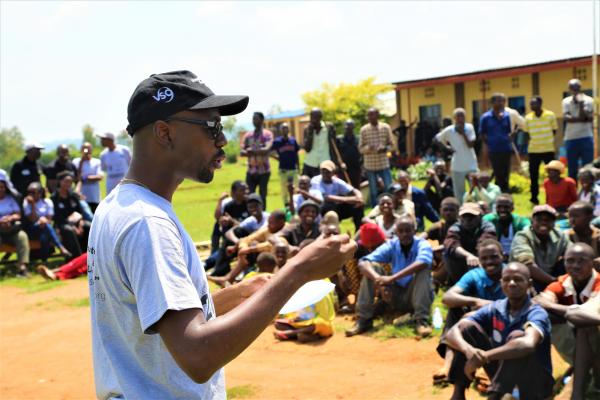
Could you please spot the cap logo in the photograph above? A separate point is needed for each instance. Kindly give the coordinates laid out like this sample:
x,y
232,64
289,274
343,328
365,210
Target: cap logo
x,y
164,94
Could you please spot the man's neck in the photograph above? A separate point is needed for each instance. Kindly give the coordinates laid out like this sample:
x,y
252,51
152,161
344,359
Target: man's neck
x,y
158,179
555,180
63,192
543,238
539,112
583,231
374,124
111,147
516,305
580,285
258,130
306,227
29,159
505,220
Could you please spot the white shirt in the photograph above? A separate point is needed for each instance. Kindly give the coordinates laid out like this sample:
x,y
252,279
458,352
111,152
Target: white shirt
x,y
91,190
43,208
464,158
142,263
336,187
577,130
116,162
8,206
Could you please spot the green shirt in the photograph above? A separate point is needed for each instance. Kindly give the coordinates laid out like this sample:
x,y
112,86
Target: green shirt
x,y
518,223
526,248
487,195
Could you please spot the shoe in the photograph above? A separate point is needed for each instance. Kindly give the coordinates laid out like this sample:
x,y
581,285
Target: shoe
x,y
22,272
46,273
360,327
423,330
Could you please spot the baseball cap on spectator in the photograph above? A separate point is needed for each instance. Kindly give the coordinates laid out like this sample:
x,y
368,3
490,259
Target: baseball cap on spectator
x,y
328,165
395,188
33,145
308,203
162,95
254,197
544,208
107,135
470,208
371,235
555,165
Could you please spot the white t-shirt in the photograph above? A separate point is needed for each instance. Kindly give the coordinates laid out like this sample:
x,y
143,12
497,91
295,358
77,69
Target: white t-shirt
x,y
8,206
336,187
299,199
115,163
141,263
91,190
250,224
578,130
43,208
464,158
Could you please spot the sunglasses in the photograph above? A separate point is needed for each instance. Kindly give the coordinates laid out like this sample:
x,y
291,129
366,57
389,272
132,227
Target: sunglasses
x,y
214,128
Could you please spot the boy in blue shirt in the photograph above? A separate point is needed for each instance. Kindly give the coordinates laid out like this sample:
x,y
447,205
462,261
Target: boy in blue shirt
x,y
509,338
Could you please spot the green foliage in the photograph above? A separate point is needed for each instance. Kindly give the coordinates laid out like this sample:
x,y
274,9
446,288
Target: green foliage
x,y
419,171
241,391
88,135
342,101
124,138
232,151
33,285
11,147
519,183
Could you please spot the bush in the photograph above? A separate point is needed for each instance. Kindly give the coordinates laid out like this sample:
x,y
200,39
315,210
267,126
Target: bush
x,y
419,171
232,151
519,183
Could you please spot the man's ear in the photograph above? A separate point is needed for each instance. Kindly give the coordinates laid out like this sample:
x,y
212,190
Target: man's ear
x,y
163,134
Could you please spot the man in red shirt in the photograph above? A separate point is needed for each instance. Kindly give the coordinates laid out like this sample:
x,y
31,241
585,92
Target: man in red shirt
x,y
560,192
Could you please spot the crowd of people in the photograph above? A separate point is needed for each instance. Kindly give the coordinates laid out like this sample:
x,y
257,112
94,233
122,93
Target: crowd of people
x,y
506,276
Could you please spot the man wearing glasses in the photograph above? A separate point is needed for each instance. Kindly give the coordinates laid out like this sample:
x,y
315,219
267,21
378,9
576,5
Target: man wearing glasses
x,y
157,330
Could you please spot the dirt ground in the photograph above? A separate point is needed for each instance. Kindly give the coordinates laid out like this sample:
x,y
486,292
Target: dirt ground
x,y
45,353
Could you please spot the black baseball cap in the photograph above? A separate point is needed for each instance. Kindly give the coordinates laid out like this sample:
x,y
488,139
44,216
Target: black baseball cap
x,y
254,197
162,95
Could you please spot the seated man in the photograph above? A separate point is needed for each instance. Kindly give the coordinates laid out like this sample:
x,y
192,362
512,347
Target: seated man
x,y
423,207
507,223
509,338
462,239
387,218
476,289
338,195
409,283
439,185
586,318
578,285
257,219
304,193
401,204
71,270
257,242
560,192
482,190
541,247
307,228
581,214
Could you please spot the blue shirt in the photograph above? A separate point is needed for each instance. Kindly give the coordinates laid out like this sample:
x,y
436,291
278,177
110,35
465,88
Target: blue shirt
x,y
391,252
497,131
287,150
495,321
250,224
477,283
337,187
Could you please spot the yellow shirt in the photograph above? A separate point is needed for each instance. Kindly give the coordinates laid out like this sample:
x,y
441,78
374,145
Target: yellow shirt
x,y
540,131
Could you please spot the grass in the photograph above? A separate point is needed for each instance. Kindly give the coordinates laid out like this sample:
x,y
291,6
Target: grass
x,y
31,285
241,391
60,302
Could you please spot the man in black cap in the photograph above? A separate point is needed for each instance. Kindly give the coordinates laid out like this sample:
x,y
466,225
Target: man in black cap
x,y
28,169
154,321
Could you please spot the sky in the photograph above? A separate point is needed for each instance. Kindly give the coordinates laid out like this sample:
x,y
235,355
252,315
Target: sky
x,y
67,64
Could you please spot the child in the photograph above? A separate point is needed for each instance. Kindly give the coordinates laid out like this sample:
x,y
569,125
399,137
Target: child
x,y
581,214
266,263
560,192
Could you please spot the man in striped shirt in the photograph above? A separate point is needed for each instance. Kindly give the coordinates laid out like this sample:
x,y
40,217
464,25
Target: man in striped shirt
x,y
540,125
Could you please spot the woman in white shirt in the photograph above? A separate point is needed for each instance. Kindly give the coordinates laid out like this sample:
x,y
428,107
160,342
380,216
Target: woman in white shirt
x,y
11,229
39,212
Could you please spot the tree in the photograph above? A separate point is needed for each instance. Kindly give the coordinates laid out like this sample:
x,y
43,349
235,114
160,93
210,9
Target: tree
x,y
124,138
11,147
343,101
88,135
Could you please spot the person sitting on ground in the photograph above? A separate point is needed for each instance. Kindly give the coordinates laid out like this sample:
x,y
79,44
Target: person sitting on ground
x,y
423,207
71,270
506,222
439,185
11,228
402,205
257,219
581,214
387,218
281,252
586,318
590,190
409,282
482,190
305,192
68,215
258,241
338,195
509,338
266,264
578,285
306,228
541,247
476,289
560,192
38,221
460,246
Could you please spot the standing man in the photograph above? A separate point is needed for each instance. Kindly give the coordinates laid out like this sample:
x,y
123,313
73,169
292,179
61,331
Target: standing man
x,y
578,112
114,160
496,128
60,164
374,144
89,172
351,157
540,127
28,169
256,145
317,137
460,138
286,149
156,328
401,132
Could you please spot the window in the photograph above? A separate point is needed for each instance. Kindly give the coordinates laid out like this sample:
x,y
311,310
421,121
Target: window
x,y
429,92
581,74
431,114
517,103
514,82
484,85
